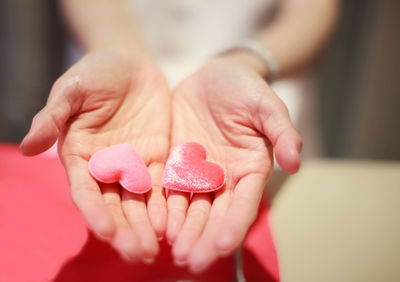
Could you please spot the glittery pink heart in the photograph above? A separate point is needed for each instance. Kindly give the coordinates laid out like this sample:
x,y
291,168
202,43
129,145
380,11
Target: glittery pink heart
x,y
188,170
120,163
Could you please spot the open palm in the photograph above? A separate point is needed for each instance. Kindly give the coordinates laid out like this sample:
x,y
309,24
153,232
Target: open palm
x,y
110,98
239,119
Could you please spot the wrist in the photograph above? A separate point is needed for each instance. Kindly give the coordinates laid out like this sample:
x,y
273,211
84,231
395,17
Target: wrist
x,y
247,59
252,54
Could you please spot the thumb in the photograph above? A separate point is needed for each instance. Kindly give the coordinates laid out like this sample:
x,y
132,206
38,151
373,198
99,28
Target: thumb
x,y
48,123
278,128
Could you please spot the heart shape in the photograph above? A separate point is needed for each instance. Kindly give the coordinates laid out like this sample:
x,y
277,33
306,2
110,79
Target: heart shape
x,y
188,170
120,163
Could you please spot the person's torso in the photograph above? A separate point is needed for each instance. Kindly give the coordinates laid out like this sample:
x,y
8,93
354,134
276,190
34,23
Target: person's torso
x,y
183,34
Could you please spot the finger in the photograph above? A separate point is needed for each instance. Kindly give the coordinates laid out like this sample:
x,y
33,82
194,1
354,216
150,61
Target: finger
x,y
87,197
203,253
278,128
241,213
287,151
156,202
134,207
196,219
48,123
125,240
177,204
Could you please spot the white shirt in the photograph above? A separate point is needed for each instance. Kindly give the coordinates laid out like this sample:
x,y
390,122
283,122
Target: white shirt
x,y
184,34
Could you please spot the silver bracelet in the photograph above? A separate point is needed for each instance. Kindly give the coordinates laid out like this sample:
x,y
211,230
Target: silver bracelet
x,y
262,53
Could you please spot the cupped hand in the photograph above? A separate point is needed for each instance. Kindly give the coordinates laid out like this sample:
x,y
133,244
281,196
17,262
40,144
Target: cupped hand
x,y
107,98
231,111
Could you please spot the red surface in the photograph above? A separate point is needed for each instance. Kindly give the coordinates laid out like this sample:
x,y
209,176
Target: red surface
x,y
40,228
259,254
188,170
120,163
43,236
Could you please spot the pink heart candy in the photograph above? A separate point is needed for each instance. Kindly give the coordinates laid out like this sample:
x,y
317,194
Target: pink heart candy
x,y
188,170
120,163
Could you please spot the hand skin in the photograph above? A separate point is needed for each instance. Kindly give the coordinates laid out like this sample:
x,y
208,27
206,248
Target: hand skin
x,y
107,98
227,107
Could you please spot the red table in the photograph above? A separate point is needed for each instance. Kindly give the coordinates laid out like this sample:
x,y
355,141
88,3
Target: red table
x,y
43,236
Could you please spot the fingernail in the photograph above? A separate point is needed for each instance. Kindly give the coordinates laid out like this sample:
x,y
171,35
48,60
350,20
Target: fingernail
x,y
148,260
126,257
171,232
224,242
123,242
197,261
224,253
180,250
104,227
101,237
197,269
180,263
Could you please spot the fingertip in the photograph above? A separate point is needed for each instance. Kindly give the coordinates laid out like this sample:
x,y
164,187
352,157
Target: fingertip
x,y
98,220
198,261
197,269
103,226
156,201
39,138
159,227
127,258
180,263
150,248
126,244
158,219
148,260
293,167
288,158
22,148
172,231
177,205
36,146
225,242
180,250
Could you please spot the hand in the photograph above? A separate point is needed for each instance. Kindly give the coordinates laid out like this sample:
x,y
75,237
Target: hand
x,y
108,98
231,111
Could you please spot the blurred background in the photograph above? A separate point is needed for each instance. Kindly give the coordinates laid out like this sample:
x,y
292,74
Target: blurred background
x,y
358,88
344,219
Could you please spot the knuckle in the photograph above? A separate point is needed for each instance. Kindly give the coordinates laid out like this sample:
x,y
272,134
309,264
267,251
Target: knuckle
x,y
148,247
157,187
214,219
36,117
132,212
198,212
156,204
284,107
66,85
111,204
132,255
192,229
177,210
58,84
140,222
299,139
247,212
